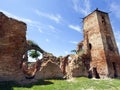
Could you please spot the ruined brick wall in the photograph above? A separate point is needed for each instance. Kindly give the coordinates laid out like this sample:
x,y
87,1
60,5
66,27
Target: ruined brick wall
x,y
12,46
49,69
95,43
97,27
102,46
75,67
109,43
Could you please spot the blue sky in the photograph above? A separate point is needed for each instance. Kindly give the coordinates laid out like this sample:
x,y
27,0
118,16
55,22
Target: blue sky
x,y
56,25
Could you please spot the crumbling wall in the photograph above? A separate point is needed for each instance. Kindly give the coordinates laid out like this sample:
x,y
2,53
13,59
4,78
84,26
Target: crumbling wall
x,y
75,67
49,69
95,44
102,45
110,47
101,58
12,46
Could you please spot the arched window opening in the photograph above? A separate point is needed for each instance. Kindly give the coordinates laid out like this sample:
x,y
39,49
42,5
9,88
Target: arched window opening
x,y
31,63
34,55
90,46
110,43
103,20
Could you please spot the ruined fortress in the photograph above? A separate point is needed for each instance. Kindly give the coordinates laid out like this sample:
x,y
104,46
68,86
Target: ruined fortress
x,y
100,58
100,43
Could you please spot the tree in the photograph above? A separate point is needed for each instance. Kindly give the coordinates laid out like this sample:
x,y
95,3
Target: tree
x,y
78,52
34,54
35,46
30,42
74,51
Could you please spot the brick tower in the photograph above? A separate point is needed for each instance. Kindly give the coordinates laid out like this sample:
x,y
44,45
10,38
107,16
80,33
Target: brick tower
x,y
100,43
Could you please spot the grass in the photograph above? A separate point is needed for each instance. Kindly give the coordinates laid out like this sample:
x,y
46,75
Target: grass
x,y
81,83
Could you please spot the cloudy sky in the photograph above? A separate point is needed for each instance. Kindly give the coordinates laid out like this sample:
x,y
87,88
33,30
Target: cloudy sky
x,y
56,25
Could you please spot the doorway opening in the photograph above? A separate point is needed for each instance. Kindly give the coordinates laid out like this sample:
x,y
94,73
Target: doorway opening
x,y
95,73
115,70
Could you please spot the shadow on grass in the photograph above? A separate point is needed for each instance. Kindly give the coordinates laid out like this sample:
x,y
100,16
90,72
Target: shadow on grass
x,y
8,85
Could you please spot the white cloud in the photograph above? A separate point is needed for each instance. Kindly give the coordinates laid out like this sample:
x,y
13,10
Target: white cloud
x,y
31,23
47,40
16,17
52,28
82,6
73,42
40,30
66,52
57,18
114,7
75,27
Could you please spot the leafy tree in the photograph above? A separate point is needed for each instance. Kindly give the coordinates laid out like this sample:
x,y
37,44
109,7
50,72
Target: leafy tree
x,y
78,52
74,51
35,46
30,42
34,54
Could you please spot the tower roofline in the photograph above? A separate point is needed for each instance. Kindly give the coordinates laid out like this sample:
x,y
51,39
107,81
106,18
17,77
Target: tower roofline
x,y
96,10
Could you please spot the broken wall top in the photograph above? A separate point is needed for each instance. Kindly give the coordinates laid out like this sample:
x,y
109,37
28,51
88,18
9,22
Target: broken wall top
x,y
12,34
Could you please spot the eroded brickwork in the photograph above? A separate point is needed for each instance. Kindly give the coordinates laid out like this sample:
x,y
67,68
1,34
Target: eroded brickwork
x,y
101,45
100,57
12,46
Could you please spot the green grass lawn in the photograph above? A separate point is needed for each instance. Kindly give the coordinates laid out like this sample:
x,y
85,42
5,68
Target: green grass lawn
x,y
81,83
